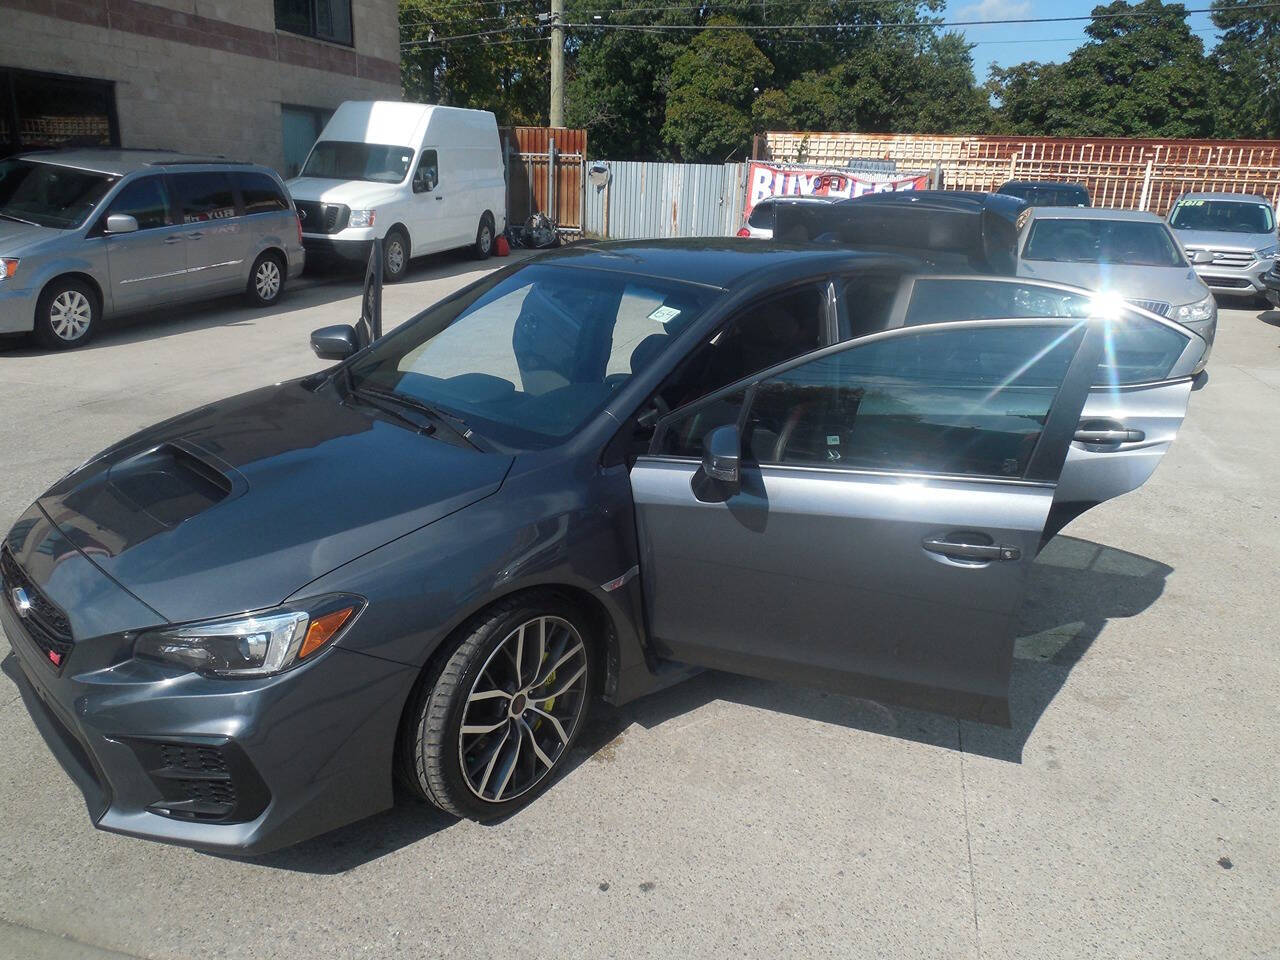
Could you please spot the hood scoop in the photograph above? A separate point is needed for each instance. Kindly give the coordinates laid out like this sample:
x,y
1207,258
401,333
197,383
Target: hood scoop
x,y
173,482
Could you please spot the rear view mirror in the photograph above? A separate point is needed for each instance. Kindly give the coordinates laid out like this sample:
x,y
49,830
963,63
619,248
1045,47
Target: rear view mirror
x,y
1199,257
122,223
722,454
334,343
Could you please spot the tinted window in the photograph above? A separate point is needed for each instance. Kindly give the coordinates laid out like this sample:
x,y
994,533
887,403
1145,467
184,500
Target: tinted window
x,y
1070,240
761,216
204,196
145,200
528,359
1139,350
942,300
326,19
260,193
1225,216
1049,195
969,402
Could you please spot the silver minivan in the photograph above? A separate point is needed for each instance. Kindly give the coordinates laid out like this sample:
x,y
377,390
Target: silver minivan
x,y
87,234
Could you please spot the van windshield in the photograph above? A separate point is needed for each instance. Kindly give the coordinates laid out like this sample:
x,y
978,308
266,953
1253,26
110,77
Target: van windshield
x,y
48,195
344,160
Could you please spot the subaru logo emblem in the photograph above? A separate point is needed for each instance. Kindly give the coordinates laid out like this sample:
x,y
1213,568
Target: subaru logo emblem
x,y
21,602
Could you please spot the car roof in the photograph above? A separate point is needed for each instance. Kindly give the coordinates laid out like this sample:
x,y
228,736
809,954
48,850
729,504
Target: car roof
x,y
711,261
1220,195
776,199
121,162
1091,213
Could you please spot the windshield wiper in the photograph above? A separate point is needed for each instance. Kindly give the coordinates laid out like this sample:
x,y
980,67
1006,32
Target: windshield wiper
x,y
390,398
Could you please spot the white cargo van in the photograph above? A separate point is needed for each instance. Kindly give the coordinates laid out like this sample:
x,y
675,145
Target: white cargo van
x,y
421,177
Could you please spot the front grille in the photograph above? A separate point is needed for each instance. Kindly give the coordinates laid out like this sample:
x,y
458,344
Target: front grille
x,y
46,625
1232,259
1155,306
1235,283
204,778
322,217
195,759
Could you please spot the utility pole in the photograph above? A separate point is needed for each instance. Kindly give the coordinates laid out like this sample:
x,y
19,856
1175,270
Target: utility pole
x,y
557,63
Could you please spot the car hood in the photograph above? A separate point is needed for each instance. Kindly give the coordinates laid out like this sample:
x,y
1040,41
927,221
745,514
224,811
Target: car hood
x,y
238,505
1223,240
358,194
17,239
1173,285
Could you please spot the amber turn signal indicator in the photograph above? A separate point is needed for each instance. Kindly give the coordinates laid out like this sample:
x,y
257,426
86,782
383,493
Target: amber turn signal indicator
x,y
323,629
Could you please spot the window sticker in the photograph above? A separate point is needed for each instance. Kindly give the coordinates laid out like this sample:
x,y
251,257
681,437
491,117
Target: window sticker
x,y
664,314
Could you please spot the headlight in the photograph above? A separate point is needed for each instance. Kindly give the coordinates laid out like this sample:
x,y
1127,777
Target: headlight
x,y
8,268
361,218
1267,252
1194,312
252,645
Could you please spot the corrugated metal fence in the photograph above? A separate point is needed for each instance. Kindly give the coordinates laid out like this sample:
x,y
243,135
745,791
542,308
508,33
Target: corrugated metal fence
x,y
632,200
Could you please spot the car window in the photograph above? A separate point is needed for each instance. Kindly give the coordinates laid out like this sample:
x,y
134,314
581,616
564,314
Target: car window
x,y
962,401
1139,350
204,196
427,174
49,195
538,352
146,200
941,300
1225,216
1071,240
260,193
761,216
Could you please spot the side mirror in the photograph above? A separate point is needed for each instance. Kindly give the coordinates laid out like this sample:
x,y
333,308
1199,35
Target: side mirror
x,y
722,454
122,223
1199,257
334,343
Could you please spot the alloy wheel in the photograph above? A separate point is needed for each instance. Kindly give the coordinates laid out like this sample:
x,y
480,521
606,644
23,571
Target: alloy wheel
x,y
486,239
70,314
523,709
266,281
395,257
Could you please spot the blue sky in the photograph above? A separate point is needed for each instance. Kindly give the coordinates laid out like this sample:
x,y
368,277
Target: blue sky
x,y
1013,43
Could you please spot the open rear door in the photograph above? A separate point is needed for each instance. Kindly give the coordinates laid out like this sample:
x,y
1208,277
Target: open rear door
x,y
369,326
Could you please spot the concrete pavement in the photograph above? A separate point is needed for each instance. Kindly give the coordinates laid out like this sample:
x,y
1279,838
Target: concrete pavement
x,y
1130,812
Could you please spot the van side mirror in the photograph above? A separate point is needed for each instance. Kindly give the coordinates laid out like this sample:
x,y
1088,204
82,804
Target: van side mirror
x,y
334,343
722,454
122,223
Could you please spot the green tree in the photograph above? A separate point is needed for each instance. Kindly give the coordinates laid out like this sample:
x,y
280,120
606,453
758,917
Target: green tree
x,y
710,93
1248,56
1142,73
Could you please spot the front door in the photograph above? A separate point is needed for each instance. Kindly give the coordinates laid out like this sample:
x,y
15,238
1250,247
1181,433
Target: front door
x,y
148,266
431,223
213,233
892,494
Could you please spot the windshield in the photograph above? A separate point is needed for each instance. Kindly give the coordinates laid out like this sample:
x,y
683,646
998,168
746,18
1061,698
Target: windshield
x,y
1223,216
1102,241
48,195
341,160
1064,196
525,360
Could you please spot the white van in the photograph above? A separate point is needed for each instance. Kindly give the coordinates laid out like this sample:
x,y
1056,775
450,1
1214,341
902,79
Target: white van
x,y
423,178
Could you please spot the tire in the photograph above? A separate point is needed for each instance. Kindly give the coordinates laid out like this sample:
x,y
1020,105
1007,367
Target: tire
x,y
67,314
395,256
514,754
482,249
266,280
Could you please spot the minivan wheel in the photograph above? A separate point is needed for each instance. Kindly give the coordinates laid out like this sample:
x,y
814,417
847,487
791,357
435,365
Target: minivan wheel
x,y
66,314
266,280
395,256
493,728
483,248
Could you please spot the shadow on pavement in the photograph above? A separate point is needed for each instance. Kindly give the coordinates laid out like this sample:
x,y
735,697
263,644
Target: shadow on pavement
x,y
1075,588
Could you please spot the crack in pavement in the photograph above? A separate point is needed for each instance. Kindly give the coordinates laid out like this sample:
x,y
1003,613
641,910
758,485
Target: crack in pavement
x,y
48,939
968,842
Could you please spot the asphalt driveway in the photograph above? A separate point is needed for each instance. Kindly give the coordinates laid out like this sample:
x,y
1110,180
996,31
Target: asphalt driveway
x,y
1131,811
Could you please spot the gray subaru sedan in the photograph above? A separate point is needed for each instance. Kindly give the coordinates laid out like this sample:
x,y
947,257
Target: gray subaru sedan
x,y
86,234
583,476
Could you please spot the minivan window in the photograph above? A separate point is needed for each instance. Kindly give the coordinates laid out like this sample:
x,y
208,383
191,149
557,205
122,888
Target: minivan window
x,y
1070,240
259,193
205,196
49,195
145,200
1223,216
343,160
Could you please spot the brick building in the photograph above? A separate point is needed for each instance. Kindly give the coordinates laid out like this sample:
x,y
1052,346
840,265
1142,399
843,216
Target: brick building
x,y
250,79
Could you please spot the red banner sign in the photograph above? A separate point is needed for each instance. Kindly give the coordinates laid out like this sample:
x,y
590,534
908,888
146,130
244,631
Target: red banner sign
x,y
766,180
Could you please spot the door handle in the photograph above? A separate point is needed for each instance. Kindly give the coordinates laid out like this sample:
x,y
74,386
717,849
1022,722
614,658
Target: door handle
x,y
195,236
173,239
1109,435
972,551
438,197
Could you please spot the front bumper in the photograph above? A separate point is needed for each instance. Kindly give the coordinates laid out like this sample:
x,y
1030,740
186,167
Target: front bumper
x,y
240,767
322,249
17,306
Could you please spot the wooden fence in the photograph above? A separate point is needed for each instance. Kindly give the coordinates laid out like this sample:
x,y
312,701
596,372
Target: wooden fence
x,y
545,173
1128,173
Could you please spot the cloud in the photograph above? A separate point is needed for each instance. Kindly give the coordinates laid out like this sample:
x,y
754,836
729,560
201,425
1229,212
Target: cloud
x,y
992,10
